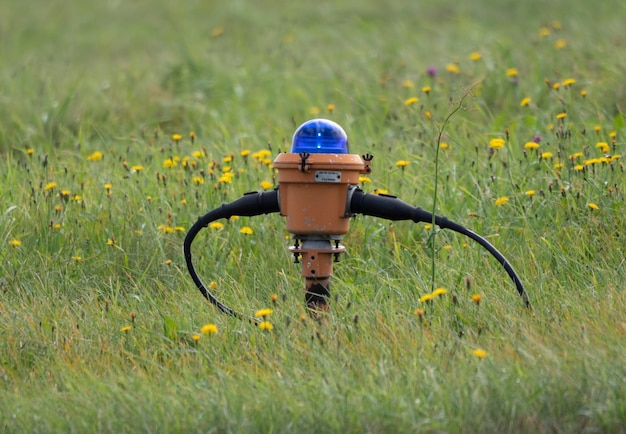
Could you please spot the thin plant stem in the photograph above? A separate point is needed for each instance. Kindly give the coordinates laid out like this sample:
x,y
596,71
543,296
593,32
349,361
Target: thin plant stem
x,y
457,107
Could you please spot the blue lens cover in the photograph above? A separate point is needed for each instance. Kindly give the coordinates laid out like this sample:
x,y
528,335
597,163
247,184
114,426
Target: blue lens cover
x,y
320,136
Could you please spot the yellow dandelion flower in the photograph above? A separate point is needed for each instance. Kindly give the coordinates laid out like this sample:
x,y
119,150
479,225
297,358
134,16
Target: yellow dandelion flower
x,y
439,291
226,178
208,329
512,72
198,154
266,325
262,313
176,137
364,179
50,186
476,298
168,262
137,168
583,93
126,329
531,145
544,32
402,163
556,86
426,297
30,151
444,146
593,206
568,82
475,56
266,185
213,285
314,111
546,155
258,156
15,243
411,101
560,44
195,337
558,165
501,201
453,68
408,84
198,180
481,354
603,146
579,167
245,153
169,163
561,116
108,186
216,225
246,230
525,101
496,143
380,191
419,312
95,156
428,115
530,193
426,89
330,107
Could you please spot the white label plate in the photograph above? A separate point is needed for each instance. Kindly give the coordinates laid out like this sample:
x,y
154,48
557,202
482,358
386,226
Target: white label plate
x,y
327,176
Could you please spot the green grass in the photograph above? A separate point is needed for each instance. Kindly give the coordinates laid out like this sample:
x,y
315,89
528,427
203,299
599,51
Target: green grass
x,y
81,262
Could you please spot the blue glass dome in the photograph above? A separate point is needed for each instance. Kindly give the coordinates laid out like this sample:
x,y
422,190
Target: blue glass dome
x,y
320,136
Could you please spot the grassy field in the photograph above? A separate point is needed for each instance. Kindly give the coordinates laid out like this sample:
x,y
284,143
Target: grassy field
x,y
122,122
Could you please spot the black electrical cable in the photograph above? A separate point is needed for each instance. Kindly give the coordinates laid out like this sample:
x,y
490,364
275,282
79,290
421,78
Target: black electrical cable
x,y
359,202
250,204
392,208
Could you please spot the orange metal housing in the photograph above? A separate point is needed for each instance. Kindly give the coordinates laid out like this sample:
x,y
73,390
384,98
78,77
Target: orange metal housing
x,y
313,191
